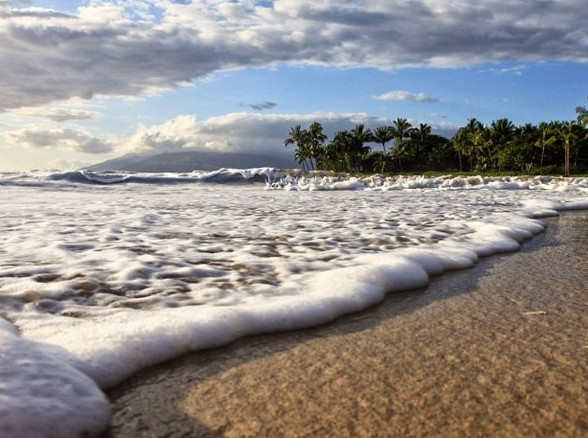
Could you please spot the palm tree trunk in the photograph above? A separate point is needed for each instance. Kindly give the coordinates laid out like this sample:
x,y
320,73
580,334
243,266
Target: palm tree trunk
x,y
542,153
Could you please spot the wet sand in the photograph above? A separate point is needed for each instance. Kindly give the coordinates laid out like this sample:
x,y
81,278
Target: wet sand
x,y
497,350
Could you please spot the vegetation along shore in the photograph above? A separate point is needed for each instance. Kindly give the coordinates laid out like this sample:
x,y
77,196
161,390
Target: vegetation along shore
x,y
556,147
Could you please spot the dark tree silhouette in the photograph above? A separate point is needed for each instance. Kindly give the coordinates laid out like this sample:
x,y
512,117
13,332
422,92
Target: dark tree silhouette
x,y
499,146
383,135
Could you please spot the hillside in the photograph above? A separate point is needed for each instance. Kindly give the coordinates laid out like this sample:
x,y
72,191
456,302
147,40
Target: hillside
x,y
192,160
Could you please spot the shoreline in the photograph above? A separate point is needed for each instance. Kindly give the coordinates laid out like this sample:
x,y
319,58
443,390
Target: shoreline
x,y
450,345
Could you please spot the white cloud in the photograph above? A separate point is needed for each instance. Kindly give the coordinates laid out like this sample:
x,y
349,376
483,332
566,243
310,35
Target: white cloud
x,y
40,137
58,114
234,132
134,48
401,95
517,70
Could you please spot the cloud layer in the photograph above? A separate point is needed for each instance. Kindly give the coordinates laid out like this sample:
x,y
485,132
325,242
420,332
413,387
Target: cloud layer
x,y
260,133
58,114
401,95
138,47
235,132
63,138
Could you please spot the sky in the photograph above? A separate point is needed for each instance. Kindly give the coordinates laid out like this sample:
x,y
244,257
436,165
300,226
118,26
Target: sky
x,y
86,81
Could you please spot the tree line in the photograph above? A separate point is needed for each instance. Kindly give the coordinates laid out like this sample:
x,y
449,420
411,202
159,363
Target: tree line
x,y
548,148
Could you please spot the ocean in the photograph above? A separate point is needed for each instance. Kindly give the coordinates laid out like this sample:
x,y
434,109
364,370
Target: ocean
x,y
104,274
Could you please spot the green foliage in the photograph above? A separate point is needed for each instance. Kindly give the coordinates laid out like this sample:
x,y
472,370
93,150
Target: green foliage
x,y
309,143
383,135
500,148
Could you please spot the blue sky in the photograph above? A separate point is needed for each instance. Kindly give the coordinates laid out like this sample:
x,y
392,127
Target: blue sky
x,y
530,93
87,81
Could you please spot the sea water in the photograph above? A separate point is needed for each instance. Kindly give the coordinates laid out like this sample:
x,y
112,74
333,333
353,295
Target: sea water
x,y
102,275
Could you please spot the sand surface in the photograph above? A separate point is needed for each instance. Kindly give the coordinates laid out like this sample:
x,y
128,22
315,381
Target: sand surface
x,y
497,350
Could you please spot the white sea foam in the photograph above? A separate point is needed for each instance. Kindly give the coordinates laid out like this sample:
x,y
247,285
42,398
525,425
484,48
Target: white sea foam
x,y
105,278
317,181
42,395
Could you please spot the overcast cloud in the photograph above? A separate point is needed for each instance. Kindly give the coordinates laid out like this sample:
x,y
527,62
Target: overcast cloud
x,y
148,45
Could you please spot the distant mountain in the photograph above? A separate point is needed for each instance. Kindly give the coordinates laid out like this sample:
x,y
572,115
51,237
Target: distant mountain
x,y
192,160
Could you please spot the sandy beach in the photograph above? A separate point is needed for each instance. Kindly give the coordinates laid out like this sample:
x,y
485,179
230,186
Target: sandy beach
x,y
497,350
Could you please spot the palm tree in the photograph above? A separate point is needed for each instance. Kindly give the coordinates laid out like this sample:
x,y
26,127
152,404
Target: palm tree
x,y
463,142
383,135
334,156
519,152
460,144
473,125
483,145
502,130
300,158
380,160
359,137
299,137
315,139
421,134
546,138
401,129
341,147
568,135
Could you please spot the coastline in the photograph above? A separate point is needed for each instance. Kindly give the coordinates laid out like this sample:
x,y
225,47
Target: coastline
x,y
495,350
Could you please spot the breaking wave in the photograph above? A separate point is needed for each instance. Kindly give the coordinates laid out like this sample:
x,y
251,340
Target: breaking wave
x,y
295,180
220,176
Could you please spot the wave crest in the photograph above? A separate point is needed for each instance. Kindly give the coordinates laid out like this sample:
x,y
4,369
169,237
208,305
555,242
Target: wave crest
x,y
220,176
